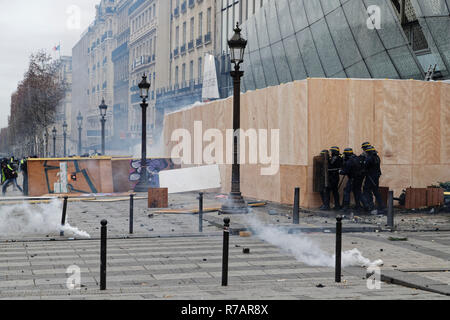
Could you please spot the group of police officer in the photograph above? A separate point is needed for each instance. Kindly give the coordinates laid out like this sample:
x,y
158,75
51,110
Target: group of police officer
x,y
362,173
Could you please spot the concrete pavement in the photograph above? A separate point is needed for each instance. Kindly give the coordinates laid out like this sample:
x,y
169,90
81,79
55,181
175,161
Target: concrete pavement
x,y
167,258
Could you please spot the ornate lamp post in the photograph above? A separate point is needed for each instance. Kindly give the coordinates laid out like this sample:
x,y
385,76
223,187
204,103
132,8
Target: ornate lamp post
x,y
236,203
80,123
65,138
103,108
143,184
54,142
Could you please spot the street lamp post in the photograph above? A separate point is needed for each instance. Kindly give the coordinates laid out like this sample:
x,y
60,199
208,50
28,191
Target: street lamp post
x,y
54,142
65,138
236,203
103,107
143,184
80,123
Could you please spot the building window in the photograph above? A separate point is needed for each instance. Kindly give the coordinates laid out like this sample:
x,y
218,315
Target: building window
x,y
191,70
200,68
200,24
192,29
208,21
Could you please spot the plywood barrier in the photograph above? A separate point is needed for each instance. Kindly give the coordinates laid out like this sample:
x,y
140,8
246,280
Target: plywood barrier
x,y
406,120
92,175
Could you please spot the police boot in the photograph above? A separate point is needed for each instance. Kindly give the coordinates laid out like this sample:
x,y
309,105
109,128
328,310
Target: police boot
x,y
324,208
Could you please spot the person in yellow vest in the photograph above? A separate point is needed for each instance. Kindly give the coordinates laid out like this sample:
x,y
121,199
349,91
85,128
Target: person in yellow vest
x,y
9,175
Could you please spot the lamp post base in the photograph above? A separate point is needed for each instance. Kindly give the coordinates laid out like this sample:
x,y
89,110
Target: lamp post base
x,y
234,205
142,187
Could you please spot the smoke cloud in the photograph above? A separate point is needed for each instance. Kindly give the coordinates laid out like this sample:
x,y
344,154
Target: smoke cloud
x,y
35,220
304,249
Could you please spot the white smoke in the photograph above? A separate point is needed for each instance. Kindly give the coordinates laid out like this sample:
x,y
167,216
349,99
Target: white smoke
x,y
35,220
304,249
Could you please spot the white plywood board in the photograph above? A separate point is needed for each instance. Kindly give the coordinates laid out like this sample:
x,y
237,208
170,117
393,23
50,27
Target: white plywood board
x,y
190,179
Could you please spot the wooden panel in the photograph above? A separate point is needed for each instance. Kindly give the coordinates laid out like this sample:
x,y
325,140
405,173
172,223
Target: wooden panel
x,y
328,114
121,172
397,122
396,177
378,87
427,175
106,179
445,120
292,177
361,113
426,125
158,198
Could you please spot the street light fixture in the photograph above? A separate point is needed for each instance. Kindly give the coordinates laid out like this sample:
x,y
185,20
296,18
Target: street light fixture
x,y
65,137
80,123
235,203
54,142
103,108
143,184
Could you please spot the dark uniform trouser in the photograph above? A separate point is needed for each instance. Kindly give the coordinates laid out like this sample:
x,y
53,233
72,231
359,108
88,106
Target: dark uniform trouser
x,y
353,185
371,188
332,188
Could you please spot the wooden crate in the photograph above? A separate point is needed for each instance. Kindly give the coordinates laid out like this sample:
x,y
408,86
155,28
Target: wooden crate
x,y
435,197
416,198
158,198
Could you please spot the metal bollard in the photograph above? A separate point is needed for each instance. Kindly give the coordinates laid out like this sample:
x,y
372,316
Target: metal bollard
x,y
390,213
338,248
226,237
131,213
200,212
296,213
63,218
103,255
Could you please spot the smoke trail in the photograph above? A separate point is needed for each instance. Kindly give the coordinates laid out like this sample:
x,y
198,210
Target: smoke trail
x,y
42,219
304,249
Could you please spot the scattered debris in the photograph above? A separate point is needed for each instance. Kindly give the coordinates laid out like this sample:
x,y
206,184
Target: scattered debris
x,y
246,251
320,286
397,239
245,234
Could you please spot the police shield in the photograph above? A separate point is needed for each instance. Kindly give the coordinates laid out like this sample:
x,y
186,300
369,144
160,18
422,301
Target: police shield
x,y
320,167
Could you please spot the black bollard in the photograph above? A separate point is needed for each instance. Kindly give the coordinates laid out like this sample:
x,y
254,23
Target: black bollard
x,y
200,212
131,213
226,237
63,218
390,213
103,255
338,248
296,213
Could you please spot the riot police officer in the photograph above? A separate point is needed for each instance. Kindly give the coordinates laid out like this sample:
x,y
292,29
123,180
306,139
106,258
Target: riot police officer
x,y
353,169
334,166
372,166
325,195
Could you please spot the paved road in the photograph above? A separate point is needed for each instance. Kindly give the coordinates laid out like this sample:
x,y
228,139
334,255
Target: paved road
x,y
177,268
167,258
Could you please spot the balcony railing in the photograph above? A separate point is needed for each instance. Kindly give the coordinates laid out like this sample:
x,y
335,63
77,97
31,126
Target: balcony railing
x,y
199,41
208,37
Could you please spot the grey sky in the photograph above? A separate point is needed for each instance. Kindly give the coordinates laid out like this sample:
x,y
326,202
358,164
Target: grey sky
x,y
27,26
